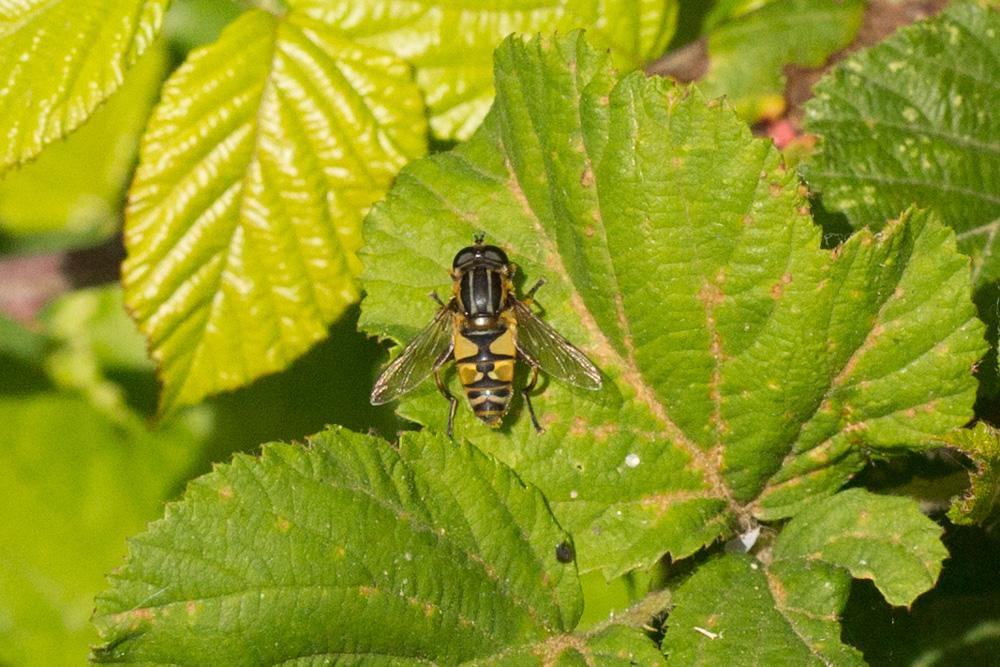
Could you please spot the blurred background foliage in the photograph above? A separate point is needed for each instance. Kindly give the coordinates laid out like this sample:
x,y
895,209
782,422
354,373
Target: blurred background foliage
x,y
84,464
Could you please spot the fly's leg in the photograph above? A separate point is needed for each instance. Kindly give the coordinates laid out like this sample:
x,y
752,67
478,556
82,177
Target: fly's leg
x,y
526,392
534,288
451,399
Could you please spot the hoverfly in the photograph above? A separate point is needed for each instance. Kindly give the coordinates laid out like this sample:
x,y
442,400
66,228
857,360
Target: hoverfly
x,y
485,328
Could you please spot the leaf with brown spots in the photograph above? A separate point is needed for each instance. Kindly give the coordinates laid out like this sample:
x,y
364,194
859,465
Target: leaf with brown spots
x,y
346,548
747,370
613,646
982,445
785,607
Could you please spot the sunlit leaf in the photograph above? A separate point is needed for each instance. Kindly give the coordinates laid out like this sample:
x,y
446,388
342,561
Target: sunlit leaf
x,y
244,217
451,44
747,369
346,549
912,120
59,60
83,177
613,646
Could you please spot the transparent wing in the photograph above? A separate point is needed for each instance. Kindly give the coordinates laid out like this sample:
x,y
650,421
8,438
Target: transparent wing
x,y
425,353
544,347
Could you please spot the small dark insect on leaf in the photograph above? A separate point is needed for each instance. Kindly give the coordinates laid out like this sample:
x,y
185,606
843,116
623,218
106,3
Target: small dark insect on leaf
x,y
564,552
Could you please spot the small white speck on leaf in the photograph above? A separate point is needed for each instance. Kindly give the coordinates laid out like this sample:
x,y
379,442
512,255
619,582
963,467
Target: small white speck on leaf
x,y
707,633
632,460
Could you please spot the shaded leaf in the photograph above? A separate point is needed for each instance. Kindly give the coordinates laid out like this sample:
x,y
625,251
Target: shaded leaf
x,y
734,611
456,75
92,338
244,216
883,538
75,483
737,610
59,60
749,45
747,370
346,549
982,445
910,121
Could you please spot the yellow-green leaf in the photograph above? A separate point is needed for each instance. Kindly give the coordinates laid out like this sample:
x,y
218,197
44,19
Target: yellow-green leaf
x,y
84,176
451,44
59,60
263,154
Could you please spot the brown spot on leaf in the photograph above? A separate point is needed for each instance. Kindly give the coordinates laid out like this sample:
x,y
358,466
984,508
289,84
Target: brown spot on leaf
x,y
711,295
588,231
587,177
226,493
778,289
283,524
144,614
604,431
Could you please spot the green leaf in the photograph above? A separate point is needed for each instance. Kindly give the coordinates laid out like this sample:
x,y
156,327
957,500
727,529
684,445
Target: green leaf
x,y
17,342
614,645
75,484
345,549
456,75
749,47
60,60
747,370
84,176
244,216
982,445
910,121
733,611
91,337
882,538
784,611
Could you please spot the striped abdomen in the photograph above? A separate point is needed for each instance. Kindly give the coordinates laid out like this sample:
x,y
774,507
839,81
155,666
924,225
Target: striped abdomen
x,y
485,362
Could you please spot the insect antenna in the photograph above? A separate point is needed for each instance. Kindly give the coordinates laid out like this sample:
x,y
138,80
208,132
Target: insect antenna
x,y
478,238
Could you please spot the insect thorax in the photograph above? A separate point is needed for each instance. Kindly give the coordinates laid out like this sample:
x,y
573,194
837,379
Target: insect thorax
x,y
481,292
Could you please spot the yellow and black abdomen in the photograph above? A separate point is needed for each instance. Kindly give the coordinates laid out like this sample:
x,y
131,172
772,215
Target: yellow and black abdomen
x,y
485,362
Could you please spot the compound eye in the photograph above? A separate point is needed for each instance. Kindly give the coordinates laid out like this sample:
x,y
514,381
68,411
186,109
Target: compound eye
x,y
495,254
464,256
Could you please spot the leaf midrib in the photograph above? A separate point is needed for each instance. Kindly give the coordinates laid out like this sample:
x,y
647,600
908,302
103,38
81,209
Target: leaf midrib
x,y
630,371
